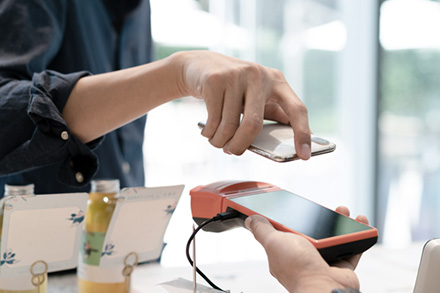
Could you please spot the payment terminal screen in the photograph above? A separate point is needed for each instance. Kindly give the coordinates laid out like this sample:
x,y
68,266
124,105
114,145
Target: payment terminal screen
x,y
300,214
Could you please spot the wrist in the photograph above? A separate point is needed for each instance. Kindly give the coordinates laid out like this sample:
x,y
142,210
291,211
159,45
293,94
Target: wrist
x,y
312,283
176,62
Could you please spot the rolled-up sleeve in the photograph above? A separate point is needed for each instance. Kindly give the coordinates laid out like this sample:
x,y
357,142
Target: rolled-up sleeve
x,y
33,132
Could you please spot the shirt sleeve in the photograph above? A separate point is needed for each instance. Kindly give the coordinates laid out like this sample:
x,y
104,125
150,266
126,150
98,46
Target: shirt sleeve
x,y
33,132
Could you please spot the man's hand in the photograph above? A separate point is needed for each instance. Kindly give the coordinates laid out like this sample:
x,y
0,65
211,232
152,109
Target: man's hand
x,y
231,87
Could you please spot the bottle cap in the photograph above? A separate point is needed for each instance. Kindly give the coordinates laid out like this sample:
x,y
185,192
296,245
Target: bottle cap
x,y
19,189
105,185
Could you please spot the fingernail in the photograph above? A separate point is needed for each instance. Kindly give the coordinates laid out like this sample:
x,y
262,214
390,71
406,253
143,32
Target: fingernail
x,y
248,222
305,151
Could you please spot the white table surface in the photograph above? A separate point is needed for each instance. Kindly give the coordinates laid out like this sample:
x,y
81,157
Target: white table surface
x,y
382,269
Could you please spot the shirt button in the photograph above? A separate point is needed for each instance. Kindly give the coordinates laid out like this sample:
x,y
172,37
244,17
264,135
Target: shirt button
x,y
65,135
79,177
126,167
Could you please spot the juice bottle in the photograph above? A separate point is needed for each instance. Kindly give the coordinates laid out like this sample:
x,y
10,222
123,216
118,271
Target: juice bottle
x,y
91,278
20,284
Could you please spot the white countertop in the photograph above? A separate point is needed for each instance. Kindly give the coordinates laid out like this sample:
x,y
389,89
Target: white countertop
x,y
382,269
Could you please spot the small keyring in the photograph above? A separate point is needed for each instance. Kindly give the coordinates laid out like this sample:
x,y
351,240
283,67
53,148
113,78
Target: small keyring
x,y
37,263
37,280
126,272
127,258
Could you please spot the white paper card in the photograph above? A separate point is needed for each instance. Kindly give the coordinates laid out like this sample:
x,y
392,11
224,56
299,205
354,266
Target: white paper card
x,y
43,227
138,224
184,286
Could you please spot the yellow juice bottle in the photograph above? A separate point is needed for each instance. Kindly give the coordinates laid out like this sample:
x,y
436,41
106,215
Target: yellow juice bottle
x,y
20,284
91,278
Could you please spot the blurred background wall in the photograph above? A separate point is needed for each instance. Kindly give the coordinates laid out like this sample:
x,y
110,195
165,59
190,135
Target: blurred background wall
x,y
369,73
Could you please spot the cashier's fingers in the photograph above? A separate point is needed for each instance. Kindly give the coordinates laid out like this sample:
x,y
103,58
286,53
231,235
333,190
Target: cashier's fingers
x,y
352,261
346,212
278,243
343,210
348,263
292,258
362,219
259,226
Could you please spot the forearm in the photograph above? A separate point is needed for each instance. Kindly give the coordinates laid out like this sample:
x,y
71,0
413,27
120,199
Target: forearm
x,y
101,103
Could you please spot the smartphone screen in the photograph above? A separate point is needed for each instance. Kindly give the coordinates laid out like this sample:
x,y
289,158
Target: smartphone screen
x,y
300,214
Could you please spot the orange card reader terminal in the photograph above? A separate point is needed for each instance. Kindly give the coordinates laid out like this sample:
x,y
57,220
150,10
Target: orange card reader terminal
x,y
334,235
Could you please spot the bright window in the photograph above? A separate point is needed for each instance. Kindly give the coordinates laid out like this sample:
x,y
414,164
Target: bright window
x,y
409,121
327,51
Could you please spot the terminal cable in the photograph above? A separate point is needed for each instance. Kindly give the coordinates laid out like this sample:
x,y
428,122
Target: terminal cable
x,y
219,217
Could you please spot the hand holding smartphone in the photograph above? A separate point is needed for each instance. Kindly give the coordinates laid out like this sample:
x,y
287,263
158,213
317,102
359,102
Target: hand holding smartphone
x,y
276,142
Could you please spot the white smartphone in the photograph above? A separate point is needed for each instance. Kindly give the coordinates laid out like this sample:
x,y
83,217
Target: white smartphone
x,y
275,142
429,269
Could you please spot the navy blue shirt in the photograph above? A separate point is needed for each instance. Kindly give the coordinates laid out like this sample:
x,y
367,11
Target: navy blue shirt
x,y
45,47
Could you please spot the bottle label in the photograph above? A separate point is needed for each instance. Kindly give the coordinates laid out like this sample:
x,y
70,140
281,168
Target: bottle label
x,y
91,247
90,255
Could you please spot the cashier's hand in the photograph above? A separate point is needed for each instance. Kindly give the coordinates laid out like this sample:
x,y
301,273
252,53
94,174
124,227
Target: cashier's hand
x,y
296,263
232,86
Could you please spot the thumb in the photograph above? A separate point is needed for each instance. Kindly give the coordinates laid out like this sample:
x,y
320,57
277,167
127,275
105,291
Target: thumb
x,y
260,227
